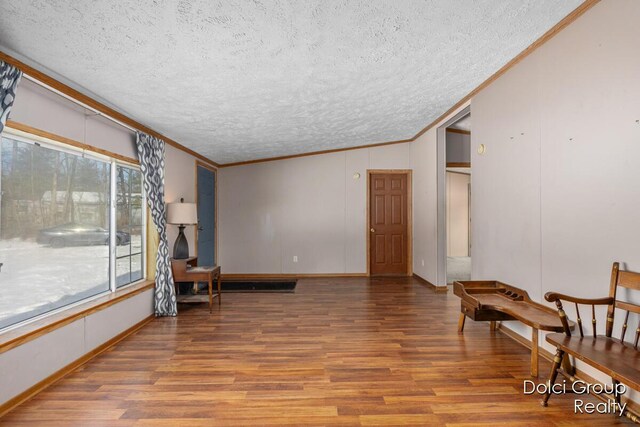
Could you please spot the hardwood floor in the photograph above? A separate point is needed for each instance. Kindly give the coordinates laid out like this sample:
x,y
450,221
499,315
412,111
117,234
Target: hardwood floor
x,y
335,352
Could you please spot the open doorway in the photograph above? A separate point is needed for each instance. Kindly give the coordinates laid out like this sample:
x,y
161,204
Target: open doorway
x,y
207,212
454,199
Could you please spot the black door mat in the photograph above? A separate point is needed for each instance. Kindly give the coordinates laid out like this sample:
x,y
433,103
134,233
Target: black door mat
x,y
259,286
241,286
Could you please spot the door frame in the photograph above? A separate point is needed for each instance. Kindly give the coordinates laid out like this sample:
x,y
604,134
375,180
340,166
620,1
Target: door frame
x,y
409,173
441,182
199,163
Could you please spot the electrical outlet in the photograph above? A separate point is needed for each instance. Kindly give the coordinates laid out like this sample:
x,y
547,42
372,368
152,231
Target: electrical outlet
x,y
295,258
423,263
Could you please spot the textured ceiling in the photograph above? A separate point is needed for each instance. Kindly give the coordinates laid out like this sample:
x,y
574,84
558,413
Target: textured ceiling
x,y
238,80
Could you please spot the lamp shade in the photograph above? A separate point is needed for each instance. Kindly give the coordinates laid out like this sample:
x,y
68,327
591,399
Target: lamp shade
x,y
182,213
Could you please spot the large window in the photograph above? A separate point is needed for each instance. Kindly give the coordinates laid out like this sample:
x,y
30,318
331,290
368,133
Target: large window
x,y
61,240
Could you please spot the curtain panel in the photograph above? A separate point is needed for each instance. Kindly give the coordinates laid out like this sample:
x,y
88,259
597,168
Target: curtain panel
x,y
151,157
9,79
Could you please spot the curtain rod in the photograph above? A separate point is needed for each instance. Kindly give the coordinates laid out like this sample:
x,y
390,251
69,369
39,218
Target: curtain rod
x,y
75,101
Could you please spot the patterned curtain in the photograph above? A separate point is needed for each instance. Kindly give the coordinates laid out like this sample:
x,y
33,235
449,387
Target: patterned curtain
x,y
151,156
9,80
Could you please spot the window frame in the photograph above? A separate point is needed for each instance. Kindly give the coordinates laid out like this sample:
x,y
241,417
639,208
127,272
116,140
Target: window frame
x,y
114,162
113,210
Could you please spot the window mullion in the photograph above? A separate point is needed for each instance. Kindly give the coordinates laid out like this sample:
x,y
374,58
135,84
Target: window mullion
x,y
112,227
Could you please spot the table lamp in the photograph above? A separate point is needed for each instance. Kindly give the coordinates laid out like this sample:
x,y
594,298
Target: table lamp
x,y
181,214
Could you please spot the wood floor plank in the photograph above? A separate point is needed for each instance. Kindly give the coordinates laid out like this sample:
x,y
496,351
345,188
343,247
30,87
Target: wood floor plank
x,y
344,351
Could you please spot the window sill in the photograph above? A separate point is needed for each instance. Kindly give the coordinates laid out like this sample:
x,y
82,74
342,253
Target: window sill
x,y
23,334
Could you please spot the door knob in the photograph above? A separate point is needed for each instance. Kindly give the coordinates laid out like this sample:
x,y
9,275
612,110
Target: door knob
x,y
373,230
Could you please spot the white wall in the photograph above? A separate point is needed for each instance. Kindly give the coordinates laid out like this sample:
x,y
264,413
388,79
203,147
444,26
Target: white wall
x,y
310,207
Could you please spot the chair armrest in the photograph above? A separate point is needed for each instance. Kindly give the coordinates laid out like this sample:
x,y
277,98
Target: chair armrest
x,y
554,297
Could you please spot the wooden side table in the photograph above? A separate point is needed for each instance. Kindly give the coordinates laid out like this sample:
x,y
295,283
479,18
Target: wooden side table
x,y
187,270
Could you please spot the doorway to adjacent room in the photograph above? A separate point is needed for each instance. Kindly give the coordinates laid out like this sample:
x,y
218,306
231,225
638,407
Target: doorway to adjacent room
x,y
454,199
206,201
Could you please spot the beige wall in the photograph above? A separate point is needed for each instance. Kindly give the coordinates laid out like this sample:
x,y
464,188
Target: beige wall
x,y
425,206
180,181
458,147
24,366
554,206
458,214
555,194
32,362
43,109
309,207
541,200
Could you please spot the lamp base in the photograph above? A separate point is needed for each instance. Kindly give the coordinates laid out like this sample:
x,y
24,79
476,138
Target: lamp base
x,y
181,246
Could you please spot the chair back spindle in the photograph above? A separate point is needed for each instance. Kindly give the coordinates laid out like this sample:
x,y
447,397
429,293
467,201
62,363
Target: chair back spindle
x,y
619,279
624,326
579,319
563,318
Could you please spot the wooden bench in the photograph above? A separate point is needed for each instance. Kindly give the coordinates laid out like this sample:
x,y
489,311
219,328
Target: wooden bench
x,y
616,357
495,301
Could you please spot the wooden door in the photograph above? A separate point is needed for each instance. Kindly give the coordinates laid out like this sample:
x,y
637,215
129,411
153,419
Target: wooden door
x,y
389,224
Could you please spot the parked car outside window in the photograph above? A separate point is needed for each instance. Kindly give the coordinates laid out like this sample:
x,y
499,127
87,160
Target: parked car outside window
x,y
73,234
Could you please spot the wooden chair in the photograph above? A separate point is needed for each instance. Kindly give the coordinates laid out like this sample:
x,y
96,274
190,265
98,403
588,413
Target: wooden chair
x,y
616,357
